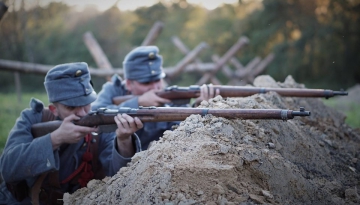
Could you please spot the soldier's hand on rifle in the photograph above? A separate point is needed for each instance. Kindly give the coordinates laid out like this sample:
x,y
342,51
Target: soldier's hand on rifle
x,y
127,126
150,98
206,92
69,133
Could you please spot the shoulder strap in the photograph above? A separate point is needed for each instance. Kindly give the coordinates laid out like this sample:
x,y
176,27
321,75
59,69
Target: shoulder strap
x,y
20,190
96,164
47,115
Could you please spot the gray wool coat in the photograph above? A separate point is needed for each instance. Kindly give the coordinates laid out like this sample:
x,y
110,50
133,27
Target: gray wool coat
x,y
25,158
151,130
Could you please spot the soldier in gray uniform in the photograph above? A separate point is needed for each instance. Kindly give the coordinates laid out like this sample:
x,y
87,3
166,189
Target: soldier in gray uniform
x,y
44,168
143,75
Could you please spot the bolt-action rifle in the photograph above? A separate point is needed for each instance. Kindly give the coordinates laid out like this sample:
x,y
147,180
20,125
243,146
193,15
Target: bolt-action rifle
x,y
176,93
103,118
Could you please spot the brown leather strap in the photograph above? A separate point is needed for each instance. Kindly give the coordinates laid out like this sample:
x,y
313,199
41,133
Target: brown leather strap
x,y
53,179
97,166
47,115
35,190
94,150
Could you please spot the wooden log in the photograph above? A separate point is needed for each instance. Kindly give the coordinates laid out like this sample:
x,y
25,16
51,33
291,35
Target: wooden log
x,y
194,67
153,34
22,67
180,45
3,9
215,81
97,53
262,65
242,73
236,63
183,48
226,69
186,60
226,57
260,68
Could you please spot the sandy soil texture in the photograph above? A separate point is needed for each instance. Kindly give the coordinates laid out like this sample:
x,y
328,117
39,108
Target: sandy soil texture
x,y
216,161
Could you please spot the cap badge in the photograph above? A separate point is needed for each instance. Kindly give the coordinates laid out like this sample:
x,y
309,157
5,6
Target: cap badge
x,y
78,73
151,55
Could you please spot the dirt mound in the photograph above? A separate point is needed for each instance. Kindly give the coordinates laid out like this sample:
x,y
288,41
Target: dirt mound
x,y
208,160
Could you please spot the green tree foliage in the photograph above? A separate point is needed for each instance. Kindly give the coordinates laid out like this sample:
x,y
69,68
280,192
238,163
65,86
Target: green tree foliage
x,y
314,41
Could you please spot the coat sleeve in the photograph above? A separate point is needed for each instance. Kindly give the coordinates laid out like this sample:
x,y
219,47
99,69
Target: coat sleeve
x,y
132,103
25,157
110,158
108,91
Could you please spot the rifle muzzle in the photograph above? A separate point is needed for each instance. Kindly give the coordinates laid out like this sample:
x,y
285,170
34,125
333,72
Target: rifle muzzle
x,y
301,112
340,93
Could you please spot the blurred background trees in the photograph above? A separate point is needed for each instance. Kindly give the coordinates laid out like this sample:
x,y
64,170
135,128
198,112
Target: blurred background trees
x,y
317,42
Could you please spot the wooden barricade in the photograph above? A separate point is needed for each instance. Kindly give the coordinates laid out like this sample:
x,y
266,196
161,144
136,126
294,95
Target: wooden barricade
x,y
239,75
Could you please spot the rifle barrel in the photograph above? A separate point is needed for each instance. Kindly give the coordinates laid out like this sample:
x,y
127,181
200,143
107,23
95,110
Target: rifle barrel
x,y
104,116
176,93
163,114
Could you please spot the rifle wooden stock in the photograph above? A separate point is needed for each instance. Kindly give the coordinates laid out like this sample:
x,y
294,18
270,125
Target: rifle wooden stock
x,y
176,93
105,117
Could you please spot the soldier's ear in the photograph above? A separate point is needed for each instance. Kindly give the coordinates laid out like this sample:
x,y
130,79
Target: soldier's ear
x,y
53,109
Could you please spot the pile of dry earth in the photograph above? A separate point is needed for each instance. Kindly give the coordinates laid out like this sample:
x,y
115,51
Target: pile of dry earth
x,y
213,160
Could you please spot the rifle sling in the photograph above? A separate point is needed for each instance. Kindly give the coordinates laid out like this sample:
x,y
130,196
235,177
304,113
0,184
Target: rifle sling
x,y
47,115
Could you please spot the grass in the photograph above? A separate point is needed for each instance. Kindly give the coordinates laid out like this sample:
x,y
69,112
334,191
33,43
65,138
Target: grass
x,y
350,109
10,110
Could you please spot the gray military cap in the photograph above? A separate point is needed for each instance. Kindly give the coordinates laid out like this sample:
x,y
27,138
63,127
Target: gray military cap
x,y
69,84
143,64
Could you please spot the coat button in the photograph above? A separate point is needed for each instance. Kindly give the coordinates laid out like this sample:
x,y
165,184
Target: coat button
x,y
151,55
78,73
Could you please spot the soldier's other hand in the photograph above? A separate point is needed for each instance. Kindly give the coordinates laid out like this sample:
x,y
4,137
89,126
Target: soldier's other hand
x,y
150,98
206,92
127,125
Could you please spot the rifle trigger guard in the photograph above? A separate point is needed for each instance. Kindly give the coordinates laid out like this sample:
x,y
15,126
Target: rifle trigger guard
x,y
284,115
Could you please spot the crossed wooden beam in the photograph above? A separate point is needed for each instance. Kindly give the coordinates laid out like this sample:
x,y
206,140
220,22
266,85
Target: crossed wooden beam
x,y
190,63
99,56
242,74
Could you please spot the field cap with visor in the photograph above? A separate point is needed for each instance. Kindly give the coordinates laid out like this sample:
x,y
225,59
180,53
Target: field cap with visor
x,y
143,64
69,84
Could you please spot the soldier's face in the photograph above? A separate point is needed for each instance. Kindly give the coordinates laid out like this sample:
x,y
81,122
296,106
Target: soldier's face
x,y
63,111
137,88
